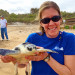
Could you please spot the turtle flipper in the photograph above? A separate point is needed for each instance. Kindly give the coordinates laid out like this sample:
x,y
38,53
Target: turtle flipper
x,y
46,50
7,51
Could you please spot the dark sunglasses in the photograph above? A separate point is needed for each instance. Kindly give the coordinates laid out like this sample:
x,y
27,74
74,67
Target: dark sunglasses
x,y
47,20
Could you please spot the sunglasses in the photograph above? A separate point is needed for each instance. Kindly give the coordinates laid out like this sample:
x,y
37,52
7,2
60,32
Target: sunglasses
x,y
47,20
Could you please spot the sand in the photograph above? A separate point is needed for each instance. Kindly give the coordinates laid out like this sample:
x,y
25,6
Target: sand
x,y
17,35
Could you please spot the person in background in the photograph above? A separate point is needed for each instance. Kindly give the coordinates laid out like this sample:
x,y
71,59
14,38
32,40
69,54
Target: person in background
x,y
3,23
50,37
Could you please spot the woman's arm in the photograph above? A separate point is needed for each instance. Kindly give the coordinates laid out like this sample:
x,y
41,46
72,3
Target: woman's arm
x,y
69,61
67,69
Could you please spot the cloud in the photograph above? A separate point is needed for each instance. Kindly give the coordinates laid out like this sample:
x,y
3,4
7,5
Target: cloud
x,y
67,5
24,6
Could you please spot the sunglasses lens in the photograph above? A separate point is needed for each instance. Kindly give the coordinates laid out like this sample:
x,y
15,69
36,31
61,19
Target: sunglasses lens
x,y
56,18
45,20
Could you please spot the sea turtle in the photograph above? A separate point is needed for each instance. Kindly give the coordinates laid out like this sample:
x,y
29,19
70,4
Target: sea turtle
x,y
22,50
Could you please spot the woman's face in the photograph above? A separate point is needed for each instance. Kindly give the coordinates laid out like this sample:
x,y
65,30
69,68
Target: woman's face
x,y
51,28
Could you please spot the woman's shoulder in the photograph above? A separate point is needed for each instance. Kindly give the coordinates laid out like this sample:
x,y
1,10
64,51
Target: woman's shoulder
x,y
32,37
34,34
68,35
69,41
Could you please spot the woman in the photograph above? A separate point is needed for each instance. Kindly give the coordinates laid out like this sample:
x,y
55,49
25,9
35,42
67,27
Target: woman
x,y
50,37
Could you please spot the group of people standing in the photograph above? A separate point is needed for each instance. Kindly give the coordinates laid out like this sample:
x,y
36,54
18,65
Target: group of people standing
x,y
3,23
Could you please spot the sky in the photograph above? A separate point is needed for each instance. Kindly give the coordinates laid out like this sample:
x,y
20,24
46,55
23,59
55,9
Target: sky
x,y
24,6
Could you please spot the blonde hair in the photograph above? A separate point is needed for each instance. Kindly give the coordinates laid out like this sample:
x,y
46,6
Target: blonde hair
x,y
46,5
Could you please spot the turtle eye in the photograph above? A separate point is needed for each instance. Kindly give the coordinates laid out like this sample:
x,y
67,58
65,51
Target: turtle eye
x,y
17,49
30,49
34,48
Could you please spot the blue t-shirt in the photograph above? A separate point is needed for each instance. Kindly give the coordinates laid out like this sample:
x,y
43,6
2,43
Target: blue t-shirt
x,y
64,44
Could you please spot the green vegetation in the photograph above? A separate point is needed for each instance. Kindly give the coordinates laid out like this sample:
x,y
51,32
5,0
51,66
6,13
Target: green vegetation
x,y
66,27
73,27
67,15
26,18
30,17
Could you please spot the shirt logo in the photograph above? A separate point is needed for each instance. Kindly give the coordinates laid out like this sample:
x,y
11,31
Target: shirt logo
x,y
57,48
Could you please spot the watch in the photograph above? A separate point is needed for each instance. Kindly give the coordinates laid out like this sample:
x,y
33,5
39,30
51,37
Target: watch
x,y
47,58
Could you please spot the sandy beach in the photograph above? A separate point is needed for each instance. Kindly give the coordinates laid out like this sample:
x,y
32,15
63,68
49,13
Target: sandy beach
x,y
17,34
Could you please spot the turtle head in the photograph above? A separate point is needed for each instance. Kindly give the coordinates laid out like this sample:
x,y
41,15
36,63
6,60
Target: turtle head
x,y
28,47
25,47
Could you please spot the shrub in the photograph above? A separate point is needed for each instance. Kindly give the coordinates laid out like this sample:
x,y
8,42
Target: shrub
x,y
73,27
66,27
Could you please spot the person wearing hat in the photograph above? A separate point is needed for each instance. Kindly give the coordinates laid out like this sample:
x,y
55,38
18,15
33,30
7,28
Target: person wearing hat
x,y
3,23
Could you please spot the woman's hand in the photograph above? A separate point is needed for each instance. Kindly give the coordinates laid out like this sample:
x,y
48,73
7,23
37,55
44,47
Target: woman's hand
x,y
38,57
7,59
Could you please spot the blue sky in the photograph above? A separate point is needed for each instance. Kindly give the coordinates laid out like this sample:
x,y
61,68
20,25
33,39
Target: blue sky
x,y
24,6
